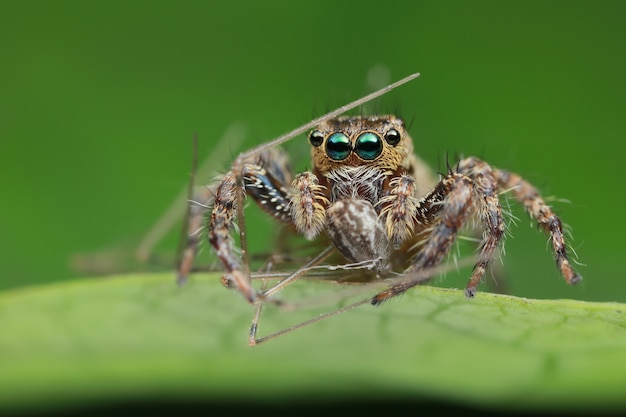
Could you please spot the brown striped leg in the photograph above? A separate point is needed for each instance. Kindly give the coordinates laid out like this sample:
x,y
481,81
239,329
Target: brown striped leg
x,y
452,201
220,226
490,213
537,209
304,208
264,178
456,198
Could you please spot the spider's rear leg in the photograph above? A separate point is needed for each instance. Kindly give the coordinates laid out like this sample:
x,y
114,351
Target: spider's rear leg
x,y
528,196
536,207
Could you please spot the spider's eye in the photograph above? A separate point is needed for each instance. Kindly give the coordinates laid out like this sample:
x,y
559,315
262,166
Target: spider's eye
x,y
368,146
316,138
338,146
392,137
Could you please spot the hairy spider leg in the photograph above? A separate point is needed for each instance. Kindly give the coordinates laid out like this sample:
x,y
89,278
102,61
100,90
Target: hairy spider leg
x,y
256,177
475,185
490,214
445,210
400,208
262,179
536,207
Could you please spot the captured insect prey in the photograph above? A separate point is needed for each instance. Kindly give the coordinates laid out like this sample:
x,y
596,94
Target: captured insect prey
x,y
375,207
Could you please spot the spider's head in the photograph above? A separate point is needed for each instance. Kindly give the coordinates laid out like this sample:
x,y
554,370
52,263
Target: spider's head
x,y
379,141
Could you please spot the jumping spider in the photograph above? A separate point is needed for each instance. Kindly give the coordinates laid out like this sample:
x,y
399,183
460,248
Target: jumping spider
x,y
364,195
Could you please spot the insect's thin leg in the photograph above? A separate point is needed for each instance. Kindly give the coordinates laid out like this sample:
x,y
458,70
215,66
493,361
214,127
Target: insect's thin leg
x,y
451,201
253,340
536,207
298,273
186,249
320,272
259,305
417,276
255,319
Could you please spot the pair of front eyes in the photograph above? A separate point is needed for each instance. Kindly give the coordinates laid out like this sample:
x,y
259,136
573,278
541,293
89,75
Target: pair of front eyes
x,y
368,145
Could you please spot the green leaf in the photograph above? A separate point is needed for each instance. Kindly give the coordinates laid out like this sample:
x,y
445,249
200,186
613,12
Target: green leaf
x,y
141,336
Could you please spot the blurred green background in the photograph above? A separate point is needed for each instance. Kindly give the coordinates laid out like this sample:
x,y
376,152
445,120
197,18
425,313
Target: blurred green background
x,y
99,102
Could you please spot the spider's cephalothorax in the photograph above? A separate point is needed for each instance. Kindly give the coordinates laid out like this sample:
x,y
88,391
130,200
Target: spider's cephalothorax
x,y
358,162
376,201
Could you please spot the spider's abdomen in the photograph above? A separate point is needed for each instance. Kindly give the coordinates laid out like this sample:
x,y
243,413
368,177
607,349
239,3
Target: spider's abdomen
x,y
354,228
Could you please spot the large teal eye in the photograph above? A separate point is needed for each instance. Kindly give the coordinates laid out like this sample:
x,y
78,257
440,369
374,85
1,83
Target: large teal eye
x,y
368,146
338,146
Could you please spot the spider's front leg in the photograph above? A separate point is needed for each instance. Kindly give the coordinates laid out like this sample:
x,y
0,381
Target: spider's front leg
x,y
445,210
221,223
534,205
303,206
263,178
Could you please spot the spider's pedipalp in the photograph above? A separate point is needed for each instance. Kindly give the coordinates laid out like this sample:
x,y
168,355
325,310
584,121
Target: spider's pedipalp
x,y
399,210
307,205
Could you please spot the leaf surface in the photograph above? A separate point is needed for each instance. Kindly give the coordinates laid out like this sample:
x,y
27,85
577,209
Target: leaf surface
x,y
140,336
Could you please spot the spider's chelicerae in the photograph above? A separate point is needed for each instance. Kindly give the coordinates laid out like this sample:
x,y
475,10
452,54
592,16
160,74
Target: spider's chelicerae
x,y
364,195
